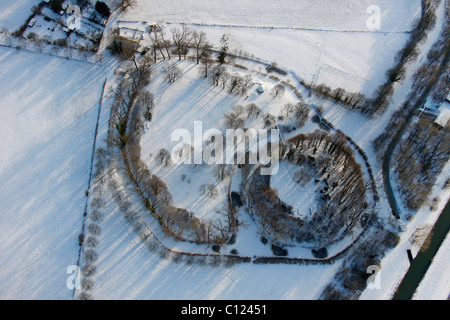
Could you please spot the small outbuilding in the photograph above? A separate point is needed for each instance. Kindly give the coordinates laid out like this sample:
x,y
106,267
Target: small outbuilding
x,y
260,88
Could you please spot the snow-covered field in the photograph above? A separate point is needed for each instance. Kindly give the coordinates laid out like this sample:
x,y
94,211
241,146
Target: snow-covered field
x,y
13,14
353,61
338,15
127,270
178,105
49,111
320,41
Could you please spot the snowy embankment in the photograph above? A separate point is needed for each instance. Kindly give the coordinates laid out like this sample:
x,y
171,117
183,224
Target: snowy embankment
x,y
192,99
49,110
436,283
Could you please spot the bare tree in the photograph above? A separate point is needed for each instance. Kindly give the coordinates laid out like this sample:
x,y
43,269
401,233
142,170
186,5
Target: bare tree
x,y
127,50
252,110
163,157
236,83
39,46
88,270
206,65
220,171
301,114
269,120
233,120
203,188
124,5
278,90
172,73
224,77
200,43
287,110
181,39
302,177
212,191
247,81
185,151
217,74
159,42
420,236
145,101
94,229
90,256
92,242
229,213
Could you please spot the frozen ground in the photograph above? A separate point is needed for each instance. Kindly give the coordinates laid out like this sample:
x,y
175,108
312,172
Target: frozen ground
x,y
49,110
302,199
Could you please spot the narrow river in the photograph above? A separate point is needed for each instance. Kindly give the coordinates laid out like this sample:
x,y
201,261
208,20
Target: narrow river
x,y
420,264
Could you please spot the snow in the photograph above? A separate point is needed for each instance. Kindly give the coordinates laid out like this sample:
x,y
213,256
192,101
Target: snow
x,y
49,108
338,59
302,199
177,106
338,50
13,14
127,270
338,15
395,265
436,283
42,28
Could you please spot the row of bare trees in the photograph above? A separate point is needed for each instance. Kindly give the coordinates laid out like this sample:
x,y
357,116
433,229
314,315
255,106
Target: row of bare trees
x,y
352,277
430,74
340,196
420,158
378,103
352,100
132,105
299,111
178,42
382,96
342,199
